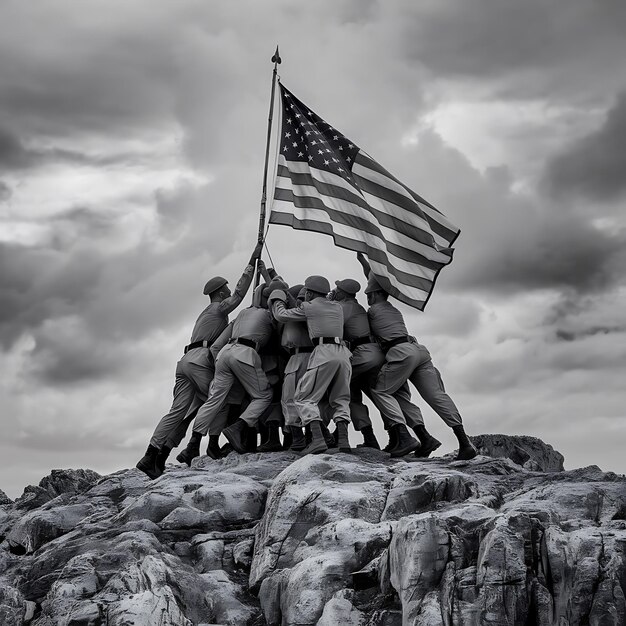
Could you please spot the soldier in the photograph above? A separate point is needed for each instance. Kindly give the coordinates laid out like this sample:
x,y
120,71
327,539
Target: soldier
x,y
296,342
367,359
406,359
237,360
273,365
328,369
195,370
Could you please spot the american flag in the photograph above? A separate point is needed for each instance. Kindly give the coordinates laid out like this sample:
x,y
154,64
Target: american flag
x,y
327,184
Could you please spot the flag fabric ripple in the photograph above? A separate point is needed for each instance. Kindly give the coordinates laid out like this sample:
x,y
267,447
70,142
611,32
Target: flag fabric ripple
x,y
327,184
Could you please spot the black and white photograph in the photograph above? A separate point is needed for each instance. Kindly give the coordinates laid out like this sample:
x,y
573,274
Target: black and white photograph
x,y
312,313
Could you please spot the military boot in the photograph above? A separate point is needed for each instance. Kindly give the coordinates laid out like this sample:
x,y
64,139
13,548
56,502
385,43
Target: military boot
x,y
192,450
369,439
404,442
391,444
226,449
331,440
250,439
148,463
467,450
236,435
428,442
213,449
298,442
272,443
317,445
329,437
161,459
287,438
343,443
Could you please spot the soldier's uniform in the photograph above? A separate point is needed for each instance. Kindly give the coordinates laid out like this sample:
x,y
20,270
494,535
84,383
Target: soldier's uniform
x,y
236,398
367,359
329,368
406,359
239,359
296,342
196,369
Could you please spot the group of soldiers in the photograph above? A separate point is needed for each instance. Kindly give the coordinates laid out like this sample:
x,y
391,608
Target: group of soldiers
x,y
297,359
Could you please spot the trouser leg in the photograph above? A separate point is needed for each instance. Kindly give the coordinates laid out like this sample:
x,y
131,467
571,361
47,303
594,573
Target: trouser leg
x,y
428,382
294,371
339,392
184,393
176,436
412,413
220,421
367,359
255,383
236,402
200,377
289,407
400,362
311,390
273,413
218,393
358,411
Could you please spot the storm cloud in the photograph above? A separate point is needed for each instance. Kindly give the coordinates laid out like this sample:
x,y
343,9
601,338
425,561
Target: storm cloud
x,y
593,166
131,152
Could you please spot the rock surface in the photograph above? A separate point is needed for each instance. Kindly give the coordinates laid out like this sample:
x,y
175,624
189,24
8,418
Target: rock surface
x,y
529,452
357,540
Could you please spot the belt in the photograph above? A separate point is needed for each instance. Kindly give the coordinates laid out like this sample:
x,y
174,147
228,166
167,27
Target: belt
x,y
197,344
245,342
300,350
318,341
387,345
359,341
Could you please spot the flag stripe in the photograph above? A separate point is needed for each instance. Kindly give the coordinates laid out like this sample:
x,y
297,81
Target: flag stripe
x,y
438,221
351,215
331,186
410,295
411,272
394,195
404,220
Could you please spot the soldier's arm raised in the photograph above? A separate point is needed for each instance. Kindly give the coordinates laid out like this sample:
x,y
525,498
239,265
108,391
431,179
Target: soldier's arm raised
x,y
364,264
232,302
267,274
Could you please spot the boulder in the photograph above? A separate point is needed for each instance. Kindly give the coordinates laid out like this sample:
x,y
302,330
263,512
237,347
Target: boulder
x,y
529,452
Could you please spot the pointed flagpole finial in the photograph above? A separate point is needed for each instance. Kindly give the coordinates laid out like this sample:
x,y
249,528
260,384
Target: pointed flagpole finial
x,y
276,58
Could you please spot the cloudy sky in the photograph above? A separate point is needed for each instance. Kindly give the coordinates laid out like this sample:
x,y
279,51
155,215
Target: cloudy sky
x,y
132,137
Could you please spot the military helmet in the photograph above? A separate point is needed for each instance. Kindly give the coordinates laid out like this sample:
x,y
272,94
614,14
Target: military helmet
x,y
295,290
349,285
318,284
214,284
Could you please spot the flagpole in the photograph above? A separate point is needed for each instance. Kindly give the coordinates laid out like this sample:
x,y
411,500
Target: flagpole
x,y
276,60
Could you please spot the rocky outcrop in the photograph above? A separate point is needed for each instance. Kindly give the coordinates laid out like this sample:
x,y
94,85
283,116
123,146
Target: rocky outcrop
x,y
529,452
66,482
322,540
4,499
